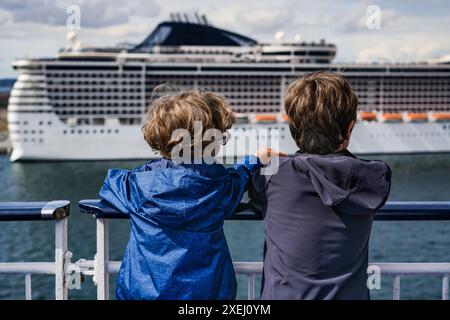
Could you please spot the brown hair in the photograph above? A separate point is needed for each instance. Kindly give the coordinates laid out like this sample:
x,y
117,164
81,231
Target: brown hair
x,y
170,112
320,107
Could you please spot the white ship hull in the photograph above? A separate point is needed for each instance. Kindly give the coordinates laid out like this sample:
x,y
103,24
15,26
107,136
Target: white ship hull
x,y
48,141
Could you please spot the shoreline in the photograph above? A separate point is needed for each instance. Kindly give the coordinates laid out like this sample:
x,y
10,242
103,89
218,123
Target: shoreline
x,y
5,147
5,143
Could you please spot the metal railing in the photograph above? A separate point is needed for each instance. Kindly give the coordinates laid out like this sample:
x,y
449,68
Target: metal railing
x,y
101,267
392,211
57,211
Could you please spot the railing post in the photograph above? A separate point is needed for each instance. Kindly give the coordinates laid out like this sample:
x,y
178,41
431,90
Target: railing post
x,y
28,292
396,288
60,263
445,288
251,287
101,260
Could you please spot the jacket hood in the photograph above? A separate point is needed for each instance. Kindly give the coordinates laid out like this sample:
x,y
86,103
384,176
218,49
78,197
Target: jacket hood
x,y
346,183
167,193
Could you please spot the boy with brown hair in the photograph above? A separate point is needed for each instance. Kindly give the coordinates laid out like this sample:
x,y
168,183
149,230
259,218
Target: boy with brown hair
x,y
318,208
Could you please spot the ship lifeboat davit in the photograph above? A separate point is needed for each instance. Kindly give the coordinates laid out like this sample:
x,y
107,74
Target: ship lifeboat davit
x,y
392,117
368,116
441,116
417,116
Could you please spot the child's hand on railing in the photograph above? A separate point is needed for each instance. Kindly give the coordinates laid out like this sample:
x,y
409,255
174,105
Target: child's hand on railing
x,y
266,155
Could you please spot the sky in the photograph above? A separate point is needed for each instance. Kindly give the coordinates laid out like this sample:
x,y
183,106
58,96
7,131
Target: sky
x,y
363,30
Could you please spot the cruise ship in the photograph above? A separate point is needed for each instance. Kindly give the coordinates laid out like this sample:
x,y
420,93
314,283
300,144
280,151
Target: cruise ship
x,y
88,103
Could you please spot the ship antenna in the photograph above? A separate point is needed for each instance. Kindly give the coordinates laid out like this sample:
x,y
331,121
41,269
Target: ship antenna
x,y
186,17
178,17
197,18
172,17
205,21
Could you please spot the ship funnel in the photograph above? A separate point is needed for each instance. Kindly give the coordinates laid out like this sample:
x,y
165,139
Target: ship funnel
x,y
186,17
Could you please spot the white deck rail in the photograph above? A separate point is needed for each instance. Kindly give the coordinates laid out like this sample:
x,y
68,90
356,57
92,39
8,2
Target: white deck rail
x,y
57,211
101,267
392,211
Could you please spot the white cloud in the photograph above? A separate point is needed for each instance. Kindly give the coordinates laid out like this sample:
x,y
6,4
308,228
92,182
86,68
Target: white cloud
x,y
94,13
409,31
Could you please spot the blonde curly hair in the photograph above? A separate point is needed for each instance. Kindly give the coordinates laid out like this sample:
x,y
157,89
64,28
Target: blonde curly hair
x,y
171,110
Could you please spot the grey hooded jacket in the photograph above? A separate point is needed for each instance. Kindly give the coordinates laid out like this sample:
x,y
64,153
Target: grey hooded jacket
x,y
318,212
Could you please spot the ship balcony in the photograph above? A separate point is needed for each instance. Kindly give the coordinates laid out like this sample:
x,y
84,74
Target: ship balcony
x,y
68,274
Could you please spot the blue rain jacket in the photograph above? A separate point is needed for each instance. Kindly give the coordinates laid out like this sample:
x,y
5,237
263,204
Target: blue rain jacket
x,y
177,248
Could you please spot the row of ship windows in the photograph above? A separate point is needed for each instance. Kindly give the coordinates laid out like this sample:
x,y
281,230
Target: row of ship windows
x,y
233,102
226,88
248,79
61,104
124,112
90,89
26,140
213,78
71,112
25,123
95,75
27,131
136,74
190,82
400,83
395,102
409,134
361,92
243,81
269,128
99,105
202,77
90,111
81,97
94,131
400,89
93,83
138,97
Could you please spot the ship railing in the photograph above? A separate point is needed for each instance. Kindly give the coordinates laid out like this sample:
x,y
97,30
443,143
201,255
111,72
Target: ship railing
x,y
56,211
67,274
391,211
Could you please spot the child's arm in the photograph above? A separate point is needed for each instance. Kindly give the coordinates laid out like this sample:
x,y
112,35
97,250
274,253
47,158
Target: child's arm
x,y
117,190
119,186
241,174
257,193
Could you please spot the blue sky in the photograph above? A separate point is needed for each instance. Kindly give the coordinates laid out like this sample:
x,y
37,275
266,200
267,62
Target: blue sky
x,y
411,30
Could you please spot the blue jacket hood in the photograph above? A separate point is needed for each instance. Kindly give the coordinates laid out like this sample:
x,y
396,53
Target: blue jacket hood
x,y
176,196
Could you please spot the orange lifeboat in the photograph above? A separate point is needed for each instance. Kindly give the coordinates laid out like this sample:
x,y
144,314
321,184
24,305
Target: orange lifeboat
x,y
368,116
392,117
417,116
265,118
441,116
